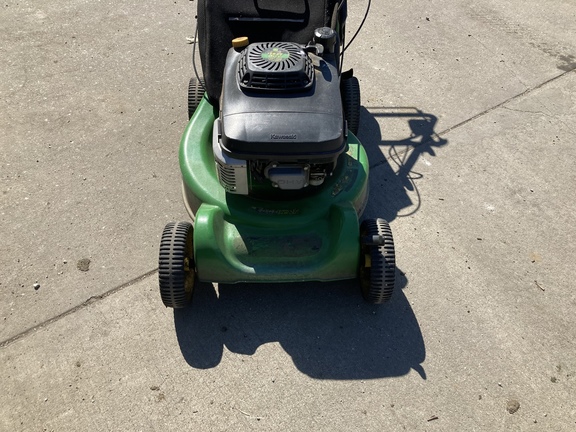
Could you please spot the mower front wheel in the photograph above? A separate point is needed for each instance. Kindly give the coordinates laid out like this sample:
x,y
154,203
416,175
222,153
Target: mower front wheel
x,y
377,261
176,267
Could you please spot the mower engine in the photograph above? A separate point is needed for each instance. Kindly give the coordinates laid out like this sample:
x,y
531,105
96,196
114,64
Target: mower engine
x,y
281,124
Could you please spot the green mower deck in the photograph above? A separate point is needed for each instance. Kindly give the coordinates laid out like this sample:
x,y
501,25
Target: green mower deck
x,y
243,239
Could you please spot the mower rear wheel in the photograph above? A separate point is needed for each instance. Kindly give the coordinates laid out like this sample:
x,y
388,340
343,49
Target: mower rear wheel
x,y
350,89
176,267
377,261
195,94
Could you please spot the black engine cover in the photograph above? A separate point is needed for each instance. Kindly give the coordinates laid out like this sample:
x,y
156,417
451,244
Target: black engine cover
x,y
281,103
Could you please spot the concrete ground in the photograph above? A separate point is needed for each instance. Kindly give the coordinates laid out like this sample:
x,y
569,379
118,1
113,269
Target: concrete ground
x,y
469,120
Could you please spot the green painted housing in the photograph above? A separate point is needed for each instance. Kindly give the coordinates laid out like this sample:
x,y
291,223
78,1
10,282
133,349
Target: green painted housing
x,y
244,239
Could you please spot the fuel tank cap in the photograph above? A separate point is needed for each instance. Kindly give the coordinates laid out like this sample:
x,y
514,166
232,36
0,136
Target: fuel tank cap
x,y
326,37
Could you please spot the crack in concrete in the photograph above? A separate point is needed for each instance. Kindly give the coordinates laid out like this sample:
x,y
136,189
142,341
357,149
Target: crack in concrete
x,y
481,114
88,302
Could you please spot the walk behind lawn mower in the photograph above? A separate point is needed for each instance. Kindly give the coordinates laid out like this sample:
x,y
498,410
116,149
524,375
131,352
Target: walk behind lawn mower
x,y
274,178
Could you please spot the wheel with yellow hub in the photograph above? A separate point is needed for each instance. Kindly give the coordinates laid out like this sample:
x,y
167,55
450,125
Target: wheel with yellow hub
x,y
176,267
377,261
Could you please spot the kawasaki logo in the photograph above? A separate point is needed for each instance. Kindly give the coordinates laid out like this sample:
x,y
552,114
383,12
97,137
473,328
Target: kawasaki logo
x,y
283,136
275,54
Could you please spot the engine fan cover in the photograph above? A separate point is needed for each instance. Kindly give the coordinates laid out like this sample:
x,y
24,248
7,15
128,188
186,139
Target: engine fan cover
x,y
275,66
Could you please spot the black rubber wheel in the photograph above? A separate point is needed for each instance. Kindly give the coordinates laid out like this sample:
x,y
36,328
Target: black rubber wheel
x,y
195,94
176,267
377,261
350,89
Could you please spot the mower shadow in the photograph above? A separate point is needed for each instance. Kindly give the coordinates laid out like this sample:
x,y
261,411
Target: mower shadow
x,y
327,329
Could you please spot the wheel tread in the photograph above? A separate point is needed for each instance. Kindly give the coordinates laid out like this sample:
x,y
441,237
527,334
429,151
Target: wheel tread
x,y
195,94
350,89
172,277
378,281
